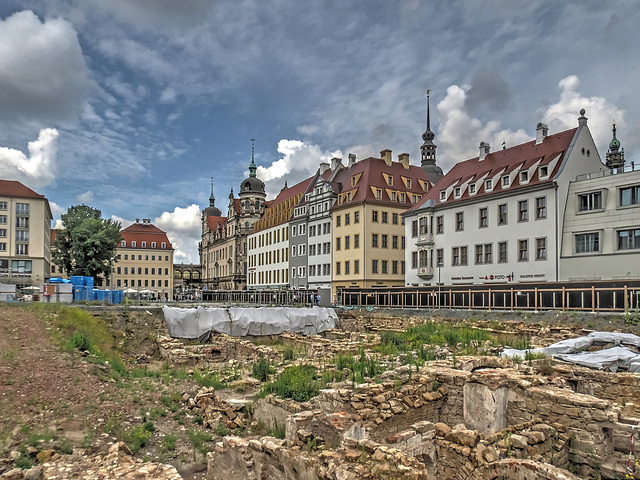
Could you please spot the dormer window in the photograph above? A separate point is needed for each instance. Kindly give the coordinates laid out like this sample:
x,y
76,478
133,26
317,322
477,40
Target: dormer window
x,y
144,244
543,172
488,184
153,244
378,194
133,243
524,177
123,243
443,195
408,183
456,192
505,180
353,181
348,196
472,188
164,244
389,180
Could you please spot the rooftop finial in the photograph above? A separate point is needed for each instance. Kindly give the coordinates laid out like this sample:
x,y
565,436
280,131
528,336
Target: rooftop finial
x,y
252,167
428,116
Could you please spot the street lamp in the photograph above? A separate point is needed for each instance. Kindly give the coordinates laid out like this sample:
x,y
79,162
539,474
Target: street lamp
x,y
439,284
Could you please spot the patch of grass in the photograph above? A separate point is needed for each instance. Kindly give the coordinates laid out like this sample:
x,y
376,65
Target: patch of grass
x,y
24,462
298,382
168,443
200,440
210,379
276,431
221,430
137,437
288,354
36,438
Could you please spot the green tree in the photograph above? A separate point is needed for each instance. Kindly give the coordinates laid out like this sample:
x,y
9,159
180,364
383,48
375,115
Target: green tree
x,y
88,243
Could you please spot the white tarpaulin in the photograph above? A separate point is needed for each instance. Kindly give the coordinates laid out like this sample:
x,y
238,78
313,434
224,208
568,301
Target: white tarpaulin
x,y
610,358
239,322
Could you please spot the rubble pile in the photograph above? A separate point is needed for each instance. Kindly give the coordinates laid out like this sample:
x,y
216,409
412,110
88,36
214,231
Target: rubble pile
x,y
215,411
117,464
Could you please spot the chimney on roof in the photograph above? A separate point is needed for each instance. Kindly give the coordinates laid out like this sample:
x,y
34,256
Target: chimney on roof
x,y
386,156
541,132
324,166
146,220
137,220
352,159
485,148
403,159
335,163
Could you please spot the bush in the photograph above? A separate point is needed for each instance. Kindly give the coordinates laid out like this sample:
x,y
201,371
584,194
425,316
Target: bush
x,y
261,369
168,443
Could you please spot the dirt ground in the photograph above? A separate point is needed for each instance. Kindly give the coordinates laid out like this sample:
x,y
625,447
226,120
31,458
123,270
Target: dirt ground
x,y
51,398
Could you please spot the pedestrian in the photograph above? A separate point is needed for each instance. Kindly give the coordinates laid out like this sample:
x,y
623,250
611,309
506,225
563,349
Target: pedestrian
x,y
318,299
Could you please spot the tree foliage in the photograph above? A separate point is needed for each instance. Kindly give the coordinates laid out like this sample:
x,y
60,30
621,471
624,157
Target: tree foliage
x,y
87,245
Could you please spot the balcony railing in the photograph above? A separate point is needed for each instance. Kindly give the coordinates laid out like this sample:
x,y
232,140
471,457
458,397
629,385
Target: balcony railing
x,y
632,167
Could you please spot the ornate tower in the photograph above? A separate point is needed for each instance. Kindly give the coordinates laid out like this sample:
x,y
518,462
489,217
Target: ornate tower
x,y
252,194
428,151
212,210
615,154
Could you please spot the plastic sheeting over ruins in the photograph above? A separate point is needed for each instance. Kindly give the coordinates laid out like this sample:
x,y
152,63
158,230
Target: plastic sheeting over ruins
x,y
617,356
198,323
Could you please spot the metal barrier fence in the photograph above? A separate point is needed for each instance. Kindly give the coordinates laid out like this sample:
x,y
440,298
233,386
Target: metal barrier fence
x,y
259,297
601,297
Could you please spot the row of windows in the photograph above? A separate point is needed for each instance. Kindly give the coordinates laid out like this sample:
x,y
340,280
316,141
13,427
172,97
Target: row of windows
x,y
505,181
593,200
146,257
272,256
21,222
628,239
186,275
325,227
320,249
384,217
123,243
269,277
483,254
268,238
347,218
17,266
422,225
120,282
125,271
319,269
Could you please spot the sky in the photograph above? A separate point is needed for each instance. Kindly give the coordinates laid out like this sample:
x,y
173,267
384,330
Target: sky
x,y
133,106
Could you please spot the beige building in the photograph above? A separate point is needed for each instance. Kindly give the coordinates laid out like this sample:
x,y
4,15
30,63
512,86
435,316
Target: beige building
x,y
144,261
368,234
25,231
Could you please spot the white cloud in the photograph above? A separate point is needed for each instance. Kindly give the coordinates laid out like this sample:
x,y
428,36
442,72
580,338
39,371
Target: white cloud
x,y
56,210
601,113
183,227
124,223
39,168
168,95
86,197
459,134
42,69
299,161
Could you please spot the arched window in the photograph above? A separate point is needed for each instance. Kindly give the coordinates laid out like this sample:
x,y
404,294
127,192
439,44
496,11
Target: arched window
x,y
196,275
164,244
153,244
144,244
186,275
177,274
123,243
133,243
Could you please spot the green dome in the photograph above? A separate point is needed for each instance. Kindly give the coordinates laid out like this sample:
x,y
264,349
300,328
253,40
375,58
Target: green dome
x,y
614,144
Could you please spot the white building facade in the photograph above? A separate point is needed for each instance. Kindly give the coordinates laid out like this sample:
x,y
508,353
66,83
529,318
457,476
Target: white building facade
x,y
498,218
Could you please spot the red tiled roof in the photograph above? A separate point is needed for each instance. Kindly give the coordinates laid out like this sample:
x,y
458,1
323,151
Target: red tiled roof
x,y
273,215
503,162
371,170
214,222
145,232
13,188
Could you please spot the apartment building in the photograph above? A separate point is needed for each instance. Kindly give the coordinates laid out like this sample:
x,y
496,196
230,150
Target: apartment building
x,y
25,232
268,244
223,248
321,198
601,229
498,217
368,236
144,261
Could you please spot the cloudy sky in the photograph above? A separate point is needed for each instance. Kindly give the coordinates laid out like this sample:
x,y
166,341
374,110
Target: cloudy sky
x,y
131,106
